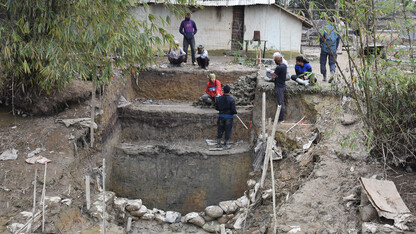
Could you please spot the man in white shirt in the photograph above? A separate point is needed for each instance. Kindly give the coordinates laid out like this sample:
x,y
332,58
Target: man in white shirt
x,y
201,56
176,55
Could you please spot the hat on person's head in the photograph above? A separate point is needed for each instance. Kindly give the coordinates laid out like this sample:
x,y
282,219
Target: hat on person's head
x,y
176,42
212,75
276,54
200,47
227,89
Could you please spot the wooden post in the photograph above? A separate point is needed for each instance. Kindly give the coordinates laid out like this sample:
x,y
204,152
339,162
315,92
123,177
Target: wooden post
x,y
87,191
269,146
29,228
43,198
92,114
104,231
263,116
274,194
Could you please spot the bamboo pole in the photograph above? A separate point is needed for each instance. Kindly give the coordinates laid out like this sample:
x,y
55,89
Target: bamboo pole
x,y
104,231
263,116
92,114
43,198
274,193
295,124
238,117
269,146
34,203
87,191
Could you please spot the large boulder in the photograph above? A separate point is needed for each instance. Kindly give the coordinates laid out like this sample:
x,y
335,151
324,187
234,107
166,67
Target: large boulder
x,y
229,207
135,204
198,221
214,211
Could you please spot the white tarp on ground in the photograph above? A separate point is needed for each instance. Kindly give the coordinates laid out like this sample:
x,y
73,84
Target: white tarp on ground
x,y
384,196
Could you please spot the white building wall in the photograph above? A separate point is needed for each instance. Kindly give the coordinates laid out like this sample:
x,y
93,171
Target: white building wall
x,y
213,24
275,26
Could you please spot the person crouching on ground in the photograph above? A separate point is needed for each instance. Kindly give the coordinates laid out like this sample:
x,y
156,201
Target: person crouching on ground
x,y
213,90
227,110
176,55
279,75
201,56
303,69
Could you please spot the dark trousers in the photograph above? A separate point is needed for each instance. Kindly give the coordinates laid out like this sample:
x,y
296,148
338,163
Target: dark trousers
x,y
280,100
176,61
186,43
226,125
203,62
322,60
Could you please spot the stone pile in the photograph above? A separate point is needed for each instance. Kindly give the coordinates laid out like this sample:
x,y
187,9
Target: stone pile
x,y
225,216
243,89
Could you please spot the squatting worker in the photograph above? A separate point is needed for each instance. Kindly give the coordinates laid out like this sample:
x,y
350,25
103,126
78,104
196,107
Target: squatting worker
x,y
279,75
188,30
226,108
213,90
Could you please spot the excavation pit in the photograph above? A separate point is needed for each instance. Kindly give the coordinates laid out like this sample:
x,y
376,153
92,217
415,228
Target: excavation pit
x,y
162,157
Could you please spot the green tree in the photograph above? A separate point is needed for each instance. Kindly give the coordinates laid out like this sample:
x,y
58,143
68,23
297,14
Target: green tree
x,y
46,43
381,74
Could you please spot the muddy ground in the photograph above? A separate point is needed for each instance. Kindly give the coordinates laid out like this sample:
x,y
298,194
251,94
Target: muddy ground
x,y
310,187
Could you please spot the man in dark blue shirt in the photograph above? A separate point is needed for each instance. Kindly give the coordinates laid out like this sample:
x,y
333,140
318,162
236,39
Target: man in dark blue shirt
x,y
188,30
226,107
279,75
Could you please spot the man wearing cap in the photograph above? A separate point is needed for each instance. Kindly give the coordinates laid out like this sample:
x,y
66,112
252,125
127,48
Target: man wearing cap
x,y
227,110
213,90
188,30
279,75
202,57
176,55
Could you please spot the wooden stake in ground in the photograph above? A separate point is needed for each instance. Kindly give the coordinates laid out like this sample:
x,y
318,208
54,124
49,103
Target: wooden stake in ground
x,y
263,116
104,231
43,198
269,148
34,203
92,114
87,191
274,192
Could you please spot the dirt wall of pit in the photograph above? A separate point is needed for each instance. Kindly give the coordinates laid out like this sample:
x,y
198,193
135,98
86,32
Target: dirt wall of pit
x,y
182,179
179,85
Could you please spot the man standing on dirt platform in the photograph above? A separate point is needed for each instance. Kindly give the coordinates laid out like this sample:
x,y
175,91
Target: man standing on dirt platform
x,y
213,90
227,110
279,75
329,42
188,30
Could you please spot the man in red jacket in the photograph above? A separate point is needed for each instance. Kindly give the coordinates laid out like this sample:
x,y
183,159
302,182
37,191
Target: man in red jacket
x,y
213,90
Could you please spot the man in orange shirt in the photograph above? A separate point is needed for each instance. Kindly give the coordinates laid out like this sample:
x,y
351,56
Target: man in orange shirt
x,y
213,89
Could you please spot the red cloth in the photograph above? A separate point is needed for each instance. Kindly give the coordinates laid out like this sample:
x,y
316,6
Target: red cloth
x,y
213,89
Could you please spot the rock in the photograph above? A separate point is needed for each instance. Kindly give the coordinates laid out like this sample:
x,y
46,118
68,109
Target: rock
x,y
53,201
173,217
228,206
9,155
189,216
67,201
368,213
368,228
266,194
243,202
148,216
348,119
140,212
207,218
135,204
14,227
251,183
223,219
34,152
120,204
160,217
157,211
198,221
212,226
214,211
109,197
